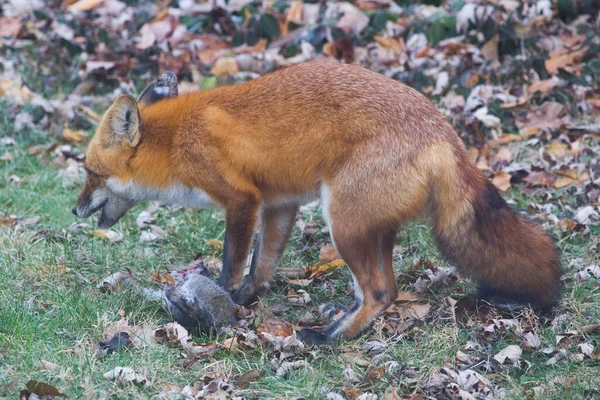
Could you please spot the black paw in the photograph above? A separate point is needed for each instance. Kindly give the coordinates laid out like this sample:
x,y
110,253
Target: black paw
x,y
313,337
247,294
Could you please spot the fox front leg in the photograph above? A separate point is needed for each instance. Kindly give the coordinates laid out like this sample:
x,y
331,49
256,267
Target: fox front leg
x,y
240,219
277,224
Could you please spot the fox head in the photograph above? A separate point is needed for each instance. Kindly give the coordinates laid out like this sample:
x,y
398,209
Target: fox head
x,y
111,147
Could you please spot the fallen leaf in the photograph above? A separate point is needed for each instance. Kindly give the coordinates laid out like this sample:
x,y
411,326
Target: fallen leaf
x,y
373,374
490,49
178,336
225,66
512,353
85,5
73,136
295,12
275,327
501,180
413,310
328,253
562,59
51,269
586,349
352,393
299,298
47,365
408,296
216,243
288,366
114,281
125,374
543,86
243,381
564,181
557,149
144,220
110,235
42,389
9,26
320,268
531,341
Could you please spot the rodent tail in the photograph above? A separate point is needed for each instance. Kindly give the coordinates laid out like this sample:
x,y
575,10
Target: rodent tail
x,y
512,259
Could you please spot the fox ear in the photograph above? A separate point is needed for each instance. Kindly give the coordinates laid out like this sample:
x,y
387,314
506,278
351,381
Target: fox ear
x,y
163,87
123,120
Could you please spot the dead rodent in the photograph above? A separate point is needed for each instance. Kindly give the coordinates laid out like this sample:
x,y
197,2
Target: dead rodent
x,y
199,304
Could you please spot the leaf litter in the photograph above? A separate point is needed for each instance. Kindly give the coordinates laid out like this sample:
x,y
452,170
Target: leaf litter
x,y
529,113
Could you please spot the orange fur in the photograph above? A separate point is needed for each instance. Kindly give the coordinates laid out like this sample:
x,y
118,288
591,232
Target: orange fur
x,y
377,152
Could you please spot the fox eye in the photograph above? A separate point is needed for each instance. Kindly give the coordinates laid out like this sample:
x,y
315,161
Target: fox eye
x,y
90,172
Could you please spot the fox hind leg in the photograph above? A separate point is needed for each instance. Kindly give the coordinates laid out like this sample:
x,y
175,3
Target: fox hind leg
x,y
369,256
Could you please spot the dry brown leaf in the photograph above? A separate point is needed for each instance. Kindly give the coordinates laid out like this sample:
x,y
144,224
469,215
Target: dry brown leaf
x,y
114,281
110,235
413,310
47,365
512,353
540,178
126,374
276,327
563,59
530,131
589,328
572,173
393,395
244,380
501,180
543,87
300,282
328,253
564,181
352,393
9,26
408,296
51,269
520,102
392,45
225,66
504,139
147,37
292,273
502,155
158,277
320,268
490,49
85,5
531,341
299,298
73,136
216,243
373,374
232,345
557,149
295,12
43,390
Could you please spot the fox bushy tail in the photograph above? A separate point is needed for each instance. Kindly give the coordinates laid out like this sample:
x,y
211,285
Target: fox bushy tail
x,y
512,259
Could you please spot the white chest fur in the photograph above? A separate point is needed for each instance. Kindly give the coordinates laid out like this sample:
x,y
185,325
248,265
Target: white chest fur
x,y
176,194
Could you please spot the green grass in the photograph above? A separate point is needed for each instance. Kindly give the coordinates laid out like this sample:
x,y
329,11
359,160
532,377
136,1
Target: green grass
x,y
59,317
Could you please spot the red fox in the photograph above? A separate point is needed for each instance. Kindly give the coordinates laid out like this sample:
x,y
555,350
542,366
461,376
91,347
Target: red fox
x,y
376,152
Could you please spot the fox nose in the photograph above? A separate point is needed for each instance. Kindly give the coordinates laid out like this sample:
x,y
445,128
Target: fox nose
x,y
74,211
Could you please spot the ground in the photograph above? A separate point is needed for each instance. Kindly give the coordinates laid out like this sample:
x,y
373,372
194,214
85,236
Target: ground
x,y
539,146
